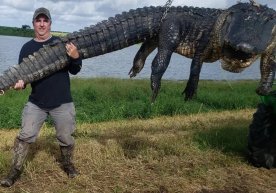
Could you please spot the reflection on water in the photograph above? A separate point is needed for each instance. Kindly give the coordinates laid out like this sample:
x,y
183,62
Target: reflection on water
x,y
117,64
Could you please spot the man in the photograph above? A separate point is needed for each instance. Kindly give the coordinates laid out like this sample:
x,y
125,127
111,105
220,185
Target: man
x,y
49,96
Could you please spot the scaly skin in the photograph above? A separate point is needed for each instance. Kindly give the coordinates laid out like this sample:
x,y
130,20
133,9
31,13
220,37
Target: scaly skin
x,y
237,36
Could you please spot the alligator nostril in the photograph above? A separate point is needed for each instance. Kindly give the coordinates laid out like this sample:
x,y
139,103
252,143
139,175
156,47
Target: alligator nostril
x,y
245,47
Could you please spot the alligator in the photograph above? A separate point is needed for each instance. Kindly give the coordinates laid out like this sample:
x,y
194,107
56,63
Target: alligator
x,y
237,36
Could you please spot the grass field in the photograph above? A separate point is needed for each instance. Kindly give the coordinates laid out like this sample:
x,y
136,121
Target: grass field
x,y
203,153
171,146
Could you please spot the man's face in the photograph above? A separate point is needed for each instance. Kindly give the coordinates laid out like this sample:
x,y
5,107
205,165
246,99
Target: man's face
x,y
42,26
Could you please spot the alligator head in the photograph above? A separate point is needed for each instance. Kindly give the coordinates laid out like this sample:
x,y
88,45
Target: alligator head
x,y
247,33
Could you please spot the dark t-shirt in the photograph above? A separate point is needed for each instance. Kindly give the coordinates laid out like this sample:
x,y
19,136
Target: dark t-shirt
x,y
53,90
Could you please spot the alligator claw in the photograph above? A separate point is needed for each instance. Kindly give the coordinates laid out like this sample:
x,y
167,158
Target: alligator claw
x,y
261,90
153,97
131,73
189,95
189,91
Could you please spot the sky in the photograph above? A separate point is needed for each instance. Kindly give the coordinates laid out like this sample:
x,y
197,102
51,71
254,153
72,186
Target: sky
x,y
73,15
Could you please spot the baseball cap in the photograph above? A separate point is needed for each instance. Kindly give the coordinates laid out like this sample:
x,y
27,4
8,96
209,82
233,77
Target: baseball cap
x,y
40,11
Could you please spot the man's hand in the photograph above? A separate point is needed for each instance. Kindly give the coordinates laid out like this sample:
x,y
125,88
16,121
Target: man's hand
x,y
72,50
19,85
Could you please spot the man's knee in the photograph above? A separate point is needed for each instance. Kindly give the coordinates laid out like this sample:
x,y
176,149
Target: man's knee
x,y
65,140
27,137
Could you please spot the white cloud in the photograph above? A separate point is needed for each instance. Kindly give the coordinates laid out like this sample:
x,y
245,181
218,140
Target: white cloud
x,y
19,4
72,15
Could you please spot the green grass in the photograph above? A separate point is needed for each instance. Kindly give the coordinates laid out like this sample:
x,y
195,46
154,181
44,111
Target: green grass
x,y
105,99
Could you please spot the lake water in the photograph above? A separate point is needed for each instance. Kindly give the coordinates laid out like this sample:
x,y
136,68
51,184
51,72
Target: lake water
x,y
117,64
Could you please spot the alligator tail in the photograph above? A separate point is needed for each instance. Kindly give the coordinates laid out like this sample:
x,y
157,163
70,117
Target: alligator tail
x,y
116,33
40,64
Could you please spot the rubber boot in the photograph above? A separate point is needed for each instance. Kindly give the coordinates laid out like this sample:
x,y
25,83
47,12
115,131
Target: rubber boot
x,y
20,149
67,161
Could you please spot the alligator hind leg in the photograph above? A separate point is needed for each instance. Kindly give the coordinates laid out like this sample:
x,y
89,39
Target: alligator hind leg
x,y
196,65
191,87
139,61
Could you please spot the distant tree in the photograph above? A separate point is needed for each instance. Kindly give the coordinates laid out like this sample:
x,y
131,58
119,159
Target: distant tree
x,y
26,27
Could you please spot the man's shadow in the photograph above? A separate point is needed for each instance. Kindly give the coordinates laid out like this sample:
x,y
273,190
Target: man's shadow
x,y
228,136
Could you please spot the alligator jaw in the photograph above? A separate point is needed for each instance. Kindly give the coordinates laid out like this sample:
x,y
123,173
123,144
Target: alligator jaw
x,y
237,59
235,65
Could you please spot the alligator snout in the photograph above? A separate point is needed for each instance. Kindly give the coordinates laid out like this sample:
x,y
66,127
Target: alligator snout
x,y
242,47
247,48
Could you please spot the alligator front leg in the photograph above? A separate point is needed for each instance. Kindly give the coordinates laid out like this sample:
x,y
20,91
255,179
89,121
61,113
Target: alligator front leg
x,y
139,61
159,66
268,67
169,39
191,87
